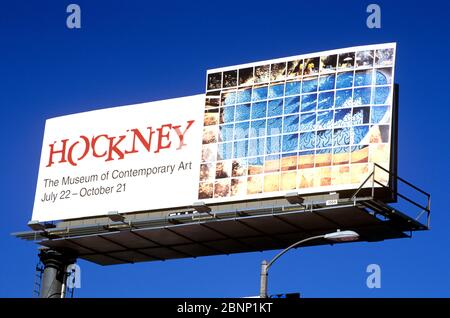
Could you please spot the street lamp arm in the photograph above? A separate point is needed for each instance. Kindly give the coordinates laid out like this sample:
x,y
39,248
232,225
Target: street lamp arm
x,y
338,236
292,246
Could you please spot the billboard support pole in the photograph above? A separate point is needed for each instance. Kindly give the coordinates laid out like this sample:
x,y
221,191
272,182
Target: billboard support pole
x,y
55,264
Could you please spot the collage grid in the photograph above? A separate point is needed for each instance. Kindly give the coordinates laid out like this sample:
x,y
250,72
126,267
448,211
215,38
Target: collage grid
x,y
296,124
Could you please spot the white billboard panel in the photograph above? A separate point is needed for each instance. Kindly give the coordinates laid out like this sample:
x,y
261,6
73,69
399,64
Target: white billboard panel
x,y
129,158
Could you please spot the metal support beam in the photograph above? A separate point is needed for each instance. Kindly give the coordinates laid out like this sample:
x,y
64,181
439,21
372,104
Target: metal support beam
x,y
216,250
130,249
95,252
161,246
55,264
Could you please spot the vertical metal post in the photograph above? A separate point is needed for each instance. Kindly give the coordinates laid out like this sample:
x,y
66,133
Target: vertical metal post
x,y
373,180
263,286
63,285
55,264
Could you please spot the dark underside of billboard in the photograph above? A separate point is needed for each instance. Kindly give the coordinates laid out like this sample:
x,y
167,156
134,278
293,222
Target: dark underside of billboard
x,y
273,224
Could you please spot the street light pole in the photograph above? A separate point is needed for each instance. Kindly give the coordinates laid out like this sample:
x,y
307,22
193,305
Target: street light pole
x,y
335,236
265,266
263,284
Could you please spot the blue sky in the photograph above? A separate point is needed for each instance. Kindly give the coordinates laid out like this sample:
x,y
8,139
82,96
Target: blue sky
x,y
141,51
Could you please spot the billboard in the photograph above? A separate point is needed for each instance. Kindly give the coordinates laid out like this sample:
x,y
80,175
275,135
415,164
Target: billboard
x,y
311,123
125,159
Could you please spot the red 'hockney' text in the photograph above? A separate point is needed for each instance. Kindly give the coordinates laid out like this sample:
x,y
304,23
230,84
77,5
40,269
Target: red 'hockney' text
x,y
111,148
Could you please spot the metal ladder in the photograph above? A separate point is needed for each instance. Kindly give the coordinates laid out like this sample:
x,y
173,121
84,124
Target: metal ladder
x,y
38,279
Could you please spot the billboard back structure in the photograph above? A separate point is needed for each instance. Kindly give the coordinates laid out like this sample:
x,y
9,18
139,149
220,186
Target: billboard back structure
x,y
311,123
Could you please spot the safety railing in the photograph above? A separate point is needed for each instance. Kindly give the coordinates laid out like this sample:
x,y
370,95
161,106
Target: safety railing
x,y
394,178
